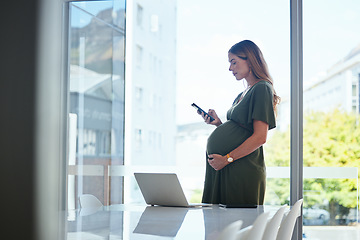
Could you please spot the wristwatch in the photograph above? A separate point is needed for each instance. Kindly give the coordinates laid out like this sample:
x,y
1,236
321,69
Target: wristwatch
x,y
230,159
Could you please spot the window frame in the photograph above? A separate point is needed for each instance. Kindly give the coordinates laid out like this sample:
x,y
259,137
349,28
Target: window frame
x,y
296,108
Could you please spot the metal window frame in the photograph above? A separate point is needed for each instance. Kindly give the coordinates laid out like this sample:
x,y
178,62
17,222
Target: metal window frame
x,y
296,109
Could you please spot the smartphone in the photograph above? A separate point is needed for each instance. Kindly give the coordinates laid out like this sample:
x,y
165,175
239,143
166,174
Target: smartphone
x,y
238,205
202,111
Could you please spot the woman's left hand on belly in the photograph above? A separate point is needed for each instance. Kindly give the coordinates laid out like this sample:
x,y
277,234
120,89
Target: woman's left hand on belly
x,y
217,161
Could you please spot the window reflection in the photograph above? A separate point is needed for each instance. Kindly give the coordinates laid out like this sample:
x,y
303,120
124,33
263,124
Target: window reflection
x,y
96,99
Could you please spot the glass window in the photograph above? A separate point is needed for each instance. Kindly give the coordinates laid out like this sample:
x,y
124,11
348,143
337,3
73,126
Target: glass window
x,y
163,131
331,126
181,58
139,15
203,77
139,56
138,135
139,94
189,65
154,23
353,90
96,99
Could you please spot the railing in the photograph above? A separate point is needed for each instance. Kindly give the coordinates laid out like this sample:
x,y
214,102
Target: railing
x,y
197,173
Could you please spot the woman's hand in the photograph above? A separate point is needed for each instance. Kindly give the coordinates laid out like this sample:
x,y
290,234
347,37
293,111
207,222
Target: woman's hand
x,y
217,161
217,122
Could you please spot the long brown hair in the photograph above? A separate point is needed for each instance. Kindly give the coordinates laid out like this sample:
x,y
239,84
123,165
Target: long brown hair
x,y
249,51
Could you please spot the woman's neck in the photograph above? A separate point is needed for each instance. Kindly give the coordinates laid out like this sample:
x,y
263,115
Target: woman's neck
x,y
252,83
251,80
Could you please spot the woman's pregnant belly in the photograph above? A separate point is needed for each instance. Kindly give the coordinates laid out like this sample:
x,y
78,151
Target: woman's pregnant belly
x,y
226,138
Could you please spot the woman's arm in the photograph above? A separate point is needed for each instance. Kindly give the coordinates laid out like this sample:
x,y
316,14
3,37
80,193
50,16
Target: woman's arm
x,y
257,139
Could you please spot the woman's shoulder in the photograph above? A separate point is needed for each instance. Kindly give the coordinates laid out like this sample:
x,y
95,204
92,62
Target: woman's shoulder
x,y
262,85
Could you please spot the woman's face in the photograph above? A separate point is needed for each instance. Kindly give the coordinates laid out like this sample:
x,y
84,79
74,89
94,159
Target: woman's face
x,y
238,66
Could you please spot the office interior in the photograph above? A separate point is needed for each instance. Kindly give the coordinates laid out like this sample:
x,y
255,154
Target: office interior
x,y
34,123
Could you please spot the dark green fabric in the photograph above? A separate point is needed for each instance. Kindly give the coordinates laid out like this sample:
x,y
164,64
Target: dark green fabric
x,y
242,181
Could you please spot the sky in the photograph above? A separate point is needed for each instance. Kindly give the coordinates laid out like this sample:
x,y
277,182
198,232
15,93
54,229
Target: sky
x,y
207,29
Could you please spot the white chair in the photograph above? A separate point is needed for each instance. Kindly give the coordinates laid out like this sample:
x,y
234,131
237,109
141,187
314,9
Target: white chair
x,y
255,231
287,225
229,233
89,201
273,224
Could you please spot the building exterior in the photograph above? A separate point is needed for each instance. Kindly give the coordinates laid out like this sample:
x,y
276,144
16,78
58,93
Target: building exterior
x,y
150,89
339,88
151,82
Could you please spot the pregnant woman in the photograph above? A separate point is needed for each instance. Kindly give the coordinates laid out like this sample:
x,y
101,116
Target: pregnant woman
x,y
235,167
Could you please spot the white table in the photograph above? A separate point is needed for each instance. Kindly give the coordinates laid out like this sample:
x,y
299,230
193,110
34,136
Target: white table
x,y
145,222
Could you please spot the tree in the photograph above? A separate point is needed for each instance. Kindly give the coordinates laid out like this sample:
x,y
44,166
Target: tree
x,y
331,139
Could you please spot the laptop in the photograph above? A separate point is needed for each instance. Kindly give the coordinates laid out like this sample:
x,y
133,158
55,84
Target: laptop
x,y
163,189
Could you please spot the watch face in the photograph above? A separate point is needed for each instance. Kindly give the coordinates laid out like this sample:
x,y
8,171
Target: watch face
x,y
230,159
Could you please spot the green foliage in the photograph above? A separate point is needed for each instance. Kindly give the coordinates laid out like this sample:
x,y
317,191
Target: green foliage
x,y
278,149
277,191
330,139
196,196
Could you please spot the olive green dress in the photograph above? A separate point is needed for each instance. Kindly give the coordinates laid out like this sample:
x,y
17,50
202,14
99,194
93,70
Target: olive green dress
x,y
242,181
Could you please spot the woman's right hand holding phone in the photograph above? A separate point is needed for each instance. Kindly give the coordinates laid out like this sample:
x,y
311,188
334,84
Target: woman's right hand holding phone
x,y
217,122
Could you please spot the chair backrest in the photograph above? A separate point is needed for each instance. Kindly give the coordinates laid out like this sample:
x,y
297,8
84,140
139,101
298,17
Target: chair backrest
x,y
273,225
89,201
229,232
287,225
256,231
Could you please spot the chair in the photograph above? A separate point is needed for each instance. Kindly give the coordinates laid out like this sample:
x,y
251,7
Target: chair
x,y
229,233
273,225
89,201
255,231
287,225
